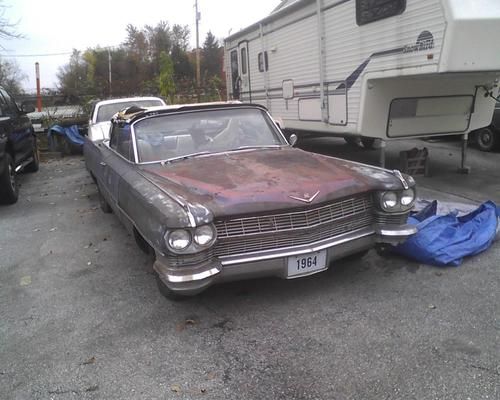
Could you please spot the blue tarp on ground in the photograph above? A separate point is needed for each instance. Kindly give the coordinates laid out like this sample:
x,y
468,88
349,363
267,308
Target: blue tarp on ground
x,y
446,239
71,132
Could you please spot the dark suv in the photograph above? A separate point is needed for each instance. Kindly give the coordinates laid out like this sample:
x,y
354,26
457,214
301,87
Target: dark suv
x,y
18,146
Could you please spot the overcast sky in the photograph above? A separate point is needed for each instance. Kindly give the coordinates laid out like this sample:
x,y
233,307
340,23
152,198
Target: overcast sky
x,y
58,26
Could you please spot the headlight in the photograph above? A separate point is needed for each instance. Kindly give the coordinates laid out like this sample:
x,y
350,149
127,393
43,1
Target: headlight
x,y
389,200
407,197
179,239
204,235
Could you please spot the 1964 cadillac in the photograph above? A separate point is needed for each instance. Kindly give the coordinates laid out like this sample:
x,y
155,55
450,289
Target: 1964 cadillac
x,y
217,193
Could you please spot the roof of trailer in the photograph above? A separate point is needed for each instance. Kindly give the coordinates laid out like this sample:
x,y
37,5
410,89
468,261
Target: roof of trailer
x,y
283,4
285,7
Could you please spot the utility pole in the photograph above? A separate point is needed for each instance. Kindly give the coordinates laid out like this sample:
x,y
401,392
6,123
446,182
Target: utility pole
x,y
38,94
198,17
109,71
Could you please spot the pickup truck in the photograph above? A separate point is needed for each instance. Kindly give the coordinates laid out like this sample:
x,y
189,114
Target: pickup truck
x,y
18,146
488,138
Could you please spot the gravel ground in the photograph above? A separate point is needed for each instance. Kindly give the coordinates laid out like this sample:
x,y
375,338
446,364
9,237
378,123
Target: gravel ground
x,y
81,317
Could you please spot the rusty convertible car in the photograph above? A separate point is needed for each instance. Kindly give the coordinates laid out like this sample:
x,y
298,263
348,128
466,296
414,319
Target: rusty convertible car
x,y
217,193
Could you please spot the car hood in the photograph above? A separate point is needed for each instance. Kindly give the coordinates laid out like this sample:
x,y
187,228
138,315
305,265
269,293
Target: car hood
x,y
255,181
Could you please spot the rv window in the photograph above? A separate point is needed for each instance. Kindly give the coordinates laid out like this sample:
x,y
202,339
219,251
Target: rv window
x,y
373,10
244,61
263,62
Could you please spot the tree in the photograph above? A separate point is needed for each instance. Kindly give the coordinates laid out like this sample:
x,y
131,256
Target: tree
x,y
7,28
212,56
151,60
180,36
211,68
73,76
11,77
10,74
166,78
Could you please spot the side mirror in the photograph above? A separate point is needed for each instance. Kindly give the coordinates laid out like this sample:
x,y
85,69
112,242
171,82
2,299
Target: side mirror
x,y
293,139
27,108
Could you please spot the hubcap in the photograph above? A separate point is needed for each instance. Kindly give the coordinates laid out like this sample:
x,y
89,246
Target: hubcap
x,y
486,137
12,175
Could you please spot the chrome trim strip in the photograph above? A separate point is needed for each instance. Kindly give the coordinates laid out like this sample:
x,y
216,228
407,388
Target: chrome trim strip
x,y
309,200
294,251
399,175
172,196
106,143
405,230
192,277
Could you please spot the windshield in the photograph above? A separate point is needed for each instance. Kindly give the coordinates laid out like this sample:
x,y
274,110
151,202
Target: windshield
x,y
167,136
106,111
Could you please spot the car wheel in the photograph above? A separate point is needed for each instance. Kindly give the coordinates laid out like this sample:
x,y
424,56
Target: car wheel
x,y
105,207
9,191
368,143
35,164
486,139
167,292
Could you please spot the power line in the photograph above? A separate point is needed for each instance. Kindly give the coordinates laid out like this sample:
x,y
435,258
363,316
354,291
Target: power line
x,y
65,53
35,55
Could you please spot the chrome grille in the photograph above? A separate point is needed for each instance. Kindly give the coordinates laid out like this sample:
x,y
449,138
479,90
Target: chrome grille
x,y
241,245
391,219
253,234
295,220
189,260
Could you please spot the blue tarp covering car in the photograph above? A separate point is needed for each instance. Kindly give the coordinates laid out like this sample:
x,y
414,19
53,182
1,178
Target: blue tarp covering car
x,y
444,240
65,138
70,132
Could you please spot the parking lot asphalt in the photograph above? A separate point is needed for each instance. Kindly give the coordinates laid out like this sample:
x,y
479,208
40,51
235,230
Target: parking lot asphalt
x,y
81,317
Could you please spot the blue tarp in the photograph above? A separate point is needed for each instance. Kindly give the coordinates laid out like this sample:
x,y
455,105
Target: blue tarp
x,y
446,239
71,133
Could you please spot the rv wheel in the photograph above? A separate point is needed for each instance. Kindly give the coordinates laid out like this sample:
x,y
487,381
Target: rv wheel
x,y
486,139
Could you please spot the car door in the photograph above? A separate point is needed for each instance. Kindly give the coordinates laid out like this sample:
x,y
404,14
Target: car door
x,y
18,126
118,162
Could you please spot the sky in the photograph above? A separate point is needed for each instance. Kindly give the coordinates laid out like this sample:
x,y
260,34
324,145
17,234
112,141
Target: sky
x,y
58,26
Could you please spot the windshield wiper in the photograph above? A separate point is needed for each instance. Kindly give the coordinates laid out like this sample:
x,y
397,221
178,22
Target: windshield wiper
x,y
185,157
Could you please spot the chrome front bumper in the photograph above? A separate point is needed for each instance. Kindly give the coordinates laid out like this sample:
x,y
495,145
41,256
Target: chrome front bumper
x,y
192,280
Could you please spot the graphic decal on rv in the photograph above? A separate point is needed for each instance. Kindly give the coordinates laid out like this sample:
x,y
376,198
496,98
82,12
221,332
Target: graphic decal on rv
x,y
425,41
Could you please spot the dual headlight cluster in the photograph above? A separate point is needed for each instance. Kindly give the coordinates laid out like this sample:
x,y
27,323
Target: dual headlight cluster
x,y
393,201
195,239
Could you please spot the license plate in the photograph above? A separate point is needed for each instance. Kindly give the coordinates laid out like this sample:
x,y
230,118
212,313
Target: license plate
x,y
306,264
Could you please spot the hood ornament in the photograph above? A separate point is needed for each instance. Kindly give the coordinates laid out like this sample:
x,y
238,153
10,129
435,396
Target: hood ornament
x,y
307,197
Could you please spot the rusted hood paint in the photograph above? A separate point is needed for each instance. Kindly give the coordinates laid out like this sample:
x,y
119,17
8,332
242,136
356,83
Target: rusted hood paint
x,y
255,181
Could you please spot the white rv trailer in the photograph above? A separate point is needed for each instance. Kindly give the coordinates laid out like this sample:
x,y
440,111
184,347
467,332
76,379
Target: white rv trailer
x,y
380,69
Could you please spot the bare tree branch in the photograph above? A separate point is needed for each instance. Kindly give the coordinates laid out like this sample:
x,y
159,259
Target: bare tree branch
x,y
7,28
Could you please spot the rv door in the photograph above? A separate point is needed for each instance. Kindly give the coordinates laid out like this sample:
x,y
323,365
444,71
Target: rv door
x,y
235,74
240,73
245,94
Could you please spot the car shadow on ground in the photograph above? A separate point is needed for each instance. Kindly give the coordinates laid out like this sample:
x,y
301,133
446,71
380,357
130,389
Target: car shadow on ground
x,y
342,273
